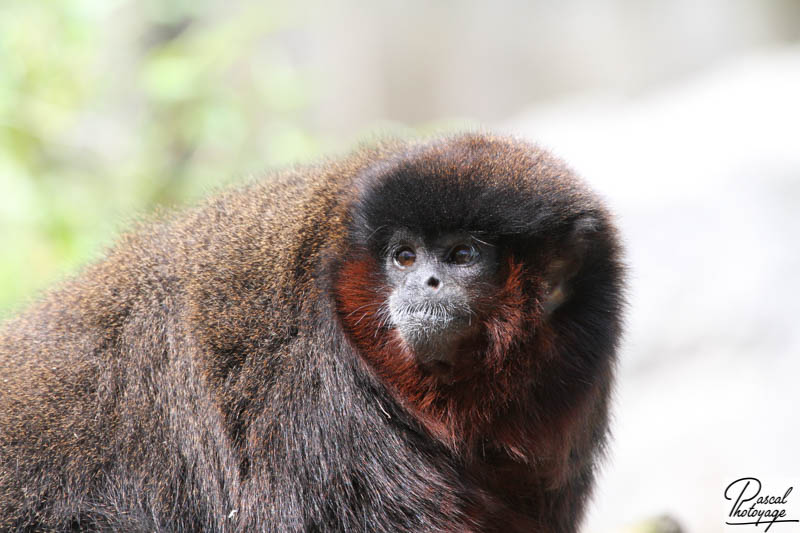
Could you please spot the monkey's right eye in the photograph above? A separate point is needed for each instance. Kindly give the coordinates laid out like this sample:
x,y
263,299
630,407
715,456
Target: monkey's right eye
x,y
404,257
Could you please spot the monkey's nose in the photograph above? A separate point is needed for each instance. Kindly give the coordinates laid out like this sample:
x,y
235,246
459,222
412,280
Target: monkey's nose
x,y
433,282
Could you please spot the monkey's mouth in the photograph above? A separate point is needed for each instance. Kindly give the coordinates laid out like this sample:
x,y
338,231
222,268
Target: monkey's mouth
x,y
429,333
431,319
436,335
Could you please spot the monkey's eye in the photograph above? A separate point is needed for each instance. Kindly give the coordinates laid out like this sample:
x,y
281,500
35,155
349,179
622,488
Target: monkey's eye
x,y
404,257
463,254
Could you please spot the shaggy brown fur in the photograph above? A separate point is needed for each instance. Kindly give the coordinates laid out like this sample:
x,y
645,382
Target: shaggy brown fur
x,y
213,373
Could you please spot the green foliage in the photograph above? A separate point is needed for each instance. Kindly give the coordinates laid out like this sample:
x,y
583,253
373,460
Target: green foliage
x,y
109,108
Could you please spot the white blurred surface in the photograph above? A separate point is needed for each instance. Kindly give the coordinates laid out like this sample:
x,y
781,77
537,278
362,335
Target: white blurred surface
x,y
705,178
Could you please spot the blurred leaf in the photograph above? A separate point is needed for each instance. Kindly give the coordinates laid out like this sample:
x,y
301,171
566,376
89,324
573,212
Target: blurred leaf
x,y
108,107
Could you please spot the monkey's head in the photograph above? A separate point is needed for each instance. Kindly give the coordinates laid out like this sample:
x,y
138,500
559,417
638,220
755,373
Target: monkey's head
x,y
480,270
436,285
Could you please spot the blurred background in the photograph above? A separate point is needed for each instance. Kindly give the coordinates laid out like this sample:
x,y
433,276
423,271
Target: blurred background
x,y
684,115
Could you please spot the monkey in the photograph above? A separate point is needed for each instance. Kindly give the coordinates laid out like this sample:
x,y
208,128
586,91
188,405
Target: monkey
x,y
419,336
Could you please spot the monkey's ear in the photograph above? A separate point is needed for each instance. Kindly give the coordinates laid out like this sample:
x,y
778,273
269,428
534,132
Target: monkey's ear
x,y
566,262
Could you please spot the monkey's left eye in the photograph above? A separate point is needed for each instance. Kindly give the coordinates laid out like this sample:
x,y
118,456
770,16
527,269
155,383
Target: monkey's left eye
x,y
463,254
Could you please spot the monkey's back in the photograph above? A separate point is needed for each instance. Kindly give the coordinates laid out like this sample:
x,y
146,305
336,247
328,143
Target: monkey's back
x,y
109,381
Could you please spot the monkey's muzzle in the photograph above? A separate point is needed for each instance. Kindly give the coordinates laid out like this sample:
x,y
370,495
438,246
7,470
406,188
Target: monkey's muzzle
x,y
435,334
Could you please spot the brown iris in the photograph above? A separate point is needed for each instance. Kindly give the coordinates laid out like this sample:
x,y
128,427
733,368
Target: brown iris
x,y
404,257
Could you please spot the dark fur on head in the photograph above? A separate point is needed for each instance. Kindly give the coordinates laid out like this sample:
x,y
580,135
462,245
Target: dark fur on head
x,y
230,369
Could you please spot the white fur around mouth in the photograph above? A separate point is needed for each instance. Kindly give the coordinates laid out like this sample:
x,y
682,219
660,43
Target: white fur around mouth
x,y
428,318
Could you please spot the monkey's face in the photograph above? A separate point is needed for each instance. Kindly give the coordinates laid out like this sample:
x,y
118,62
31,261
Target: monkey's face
x,y
435,284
